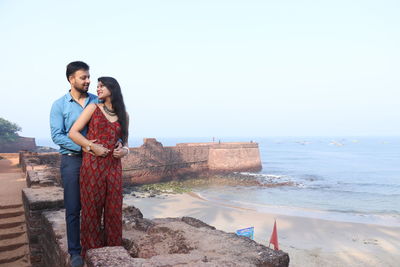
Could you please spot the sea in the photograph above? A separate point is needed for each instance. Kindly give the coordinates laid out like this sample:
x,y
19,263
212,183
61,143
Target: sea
x,y
350,179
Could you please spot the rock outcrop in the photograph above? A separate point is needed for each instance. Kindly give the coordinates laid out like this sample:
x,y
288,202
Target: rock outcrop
x,y
187,241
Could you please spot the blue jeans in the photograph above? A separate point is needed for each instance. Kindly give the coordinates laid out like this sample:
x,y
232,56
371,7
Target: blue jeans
x,y
70,171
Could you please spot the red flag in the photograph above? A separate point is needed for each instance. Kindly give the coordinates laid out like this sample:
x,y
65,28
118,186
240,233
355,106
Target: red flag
x,y
274,238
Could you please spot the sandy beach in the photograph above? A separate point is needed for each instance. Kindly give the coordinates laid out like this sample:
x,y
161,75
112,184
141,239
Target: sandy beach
x,y
309,241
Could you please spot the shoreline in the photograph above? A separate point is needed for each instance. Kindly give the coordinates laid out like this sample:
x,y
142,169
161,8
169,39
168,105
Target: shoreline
x,y
309,241
390,220
192,187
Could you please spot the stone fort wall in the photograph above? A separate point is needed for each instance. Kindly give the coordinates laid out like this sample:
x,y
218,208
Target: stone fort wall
x,y
152,162
22,143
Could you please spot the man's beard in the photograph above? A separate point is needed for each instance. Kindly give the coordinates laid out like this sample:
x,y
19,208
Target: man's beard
x,y
82,90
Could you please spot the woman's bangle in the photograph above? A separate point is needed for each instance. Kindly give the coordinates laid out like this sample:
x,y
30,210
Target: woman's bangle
x,y
127,148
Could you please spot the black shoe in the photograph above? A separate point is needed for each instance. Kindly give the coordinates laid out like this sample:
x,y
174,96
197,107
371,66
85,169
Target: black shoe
x,y
76,260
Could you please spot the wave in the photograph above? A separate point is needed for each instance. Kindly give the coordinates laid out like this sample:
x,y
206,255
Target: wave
x,y
311,177
332,189
364,213
270,179
370,184
262,174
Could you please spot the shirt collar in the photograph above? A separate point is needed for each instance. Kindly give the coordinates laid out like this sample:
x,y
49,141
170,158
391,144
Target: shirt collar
x,y
70,99
68,96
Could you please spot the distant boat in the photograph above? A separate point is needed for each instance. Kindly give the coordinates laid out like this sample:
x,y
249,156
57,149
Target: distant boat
x,y
336,143
303,142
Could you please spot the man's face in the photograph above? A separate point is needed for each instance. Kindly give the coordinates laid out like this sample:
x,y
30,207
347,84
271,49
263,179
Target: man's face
x,y
80,80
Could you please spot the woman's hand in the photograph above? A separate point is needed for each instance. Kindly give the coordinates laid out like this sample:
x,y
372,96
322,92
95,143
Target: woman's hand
x,y
84,149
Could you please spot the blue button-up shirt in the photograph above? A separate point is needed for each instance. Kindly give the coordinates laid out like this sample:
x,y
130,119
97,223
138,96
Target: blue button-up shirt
x,y
64,112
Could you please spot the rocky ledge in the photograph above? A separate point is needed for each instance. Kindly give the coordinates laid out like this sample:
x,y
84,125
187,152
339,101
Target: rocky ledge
x,y
183,241
187,241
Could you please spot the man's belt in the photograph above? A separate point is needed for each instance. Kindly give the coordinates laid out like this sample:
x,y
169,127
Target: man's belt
x,y
71,154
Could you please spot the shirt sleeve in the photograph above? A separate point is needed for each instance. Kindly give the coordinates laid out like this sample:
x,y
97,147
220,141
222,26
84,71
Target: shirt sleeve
x,y
57,127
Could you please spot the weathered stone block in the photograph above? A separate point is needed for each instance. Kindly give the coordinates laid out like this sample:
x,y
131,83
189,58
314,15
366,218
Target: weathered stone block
x,y
43,178
53,239
36,201
46,198
34,160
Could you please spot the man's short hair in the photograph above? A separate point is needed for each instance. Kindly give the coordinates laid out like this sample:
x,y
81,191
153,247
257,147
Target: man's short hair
x,y
75,66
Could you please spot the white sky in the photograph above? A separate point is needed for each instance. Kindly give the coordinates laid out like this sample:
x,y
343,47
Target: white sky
x,y
211,68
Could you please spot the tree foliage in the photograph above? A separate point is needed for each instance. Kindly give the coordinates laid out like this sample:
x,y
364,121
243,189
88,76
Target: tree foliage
x,y
8,131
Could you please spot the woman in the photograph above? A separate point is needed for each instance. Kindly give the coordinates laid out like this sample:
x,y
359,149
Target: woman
x,y
101,171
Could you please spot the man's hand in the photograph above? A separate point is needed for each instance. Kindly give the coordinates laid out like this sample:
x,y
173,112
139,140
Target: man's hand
x,y
118,144
120,152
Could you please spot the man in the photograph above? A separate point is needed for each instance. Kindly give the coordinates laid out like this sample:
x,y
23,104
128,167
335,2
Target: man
x,y
64,112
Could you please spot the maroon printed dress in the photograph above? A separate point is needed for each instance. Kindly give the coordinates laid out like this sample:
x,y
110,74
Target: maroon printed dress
x,y
101,188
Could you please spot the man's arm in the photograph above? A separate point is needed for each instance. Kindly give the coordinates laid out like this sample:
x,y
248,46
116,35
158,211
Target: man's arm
x,y
58,134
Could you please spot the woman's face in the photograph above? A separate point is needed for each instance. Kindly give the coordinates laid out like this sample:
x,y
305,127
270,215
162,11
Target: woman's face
x,y
102,91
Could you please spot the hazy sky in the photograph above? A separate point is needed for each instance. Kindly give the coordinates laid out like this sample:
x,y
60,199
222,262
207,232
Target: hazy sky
x,y
211,68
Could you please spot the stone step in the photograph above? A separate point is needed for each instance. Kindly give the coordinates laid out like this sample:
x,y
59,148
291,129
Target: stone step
x,y
16,257
11,212
12,222
13,243
10,206
10,235
14,229
12,232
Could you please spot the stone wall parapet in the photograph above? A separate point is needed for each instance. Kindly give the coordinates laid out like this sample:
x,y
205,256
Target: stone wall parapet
x,y
36,201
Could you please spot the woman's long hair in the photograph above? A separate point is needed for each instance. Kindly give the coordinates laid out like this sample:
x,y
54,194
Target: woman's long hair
x,y
118,105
